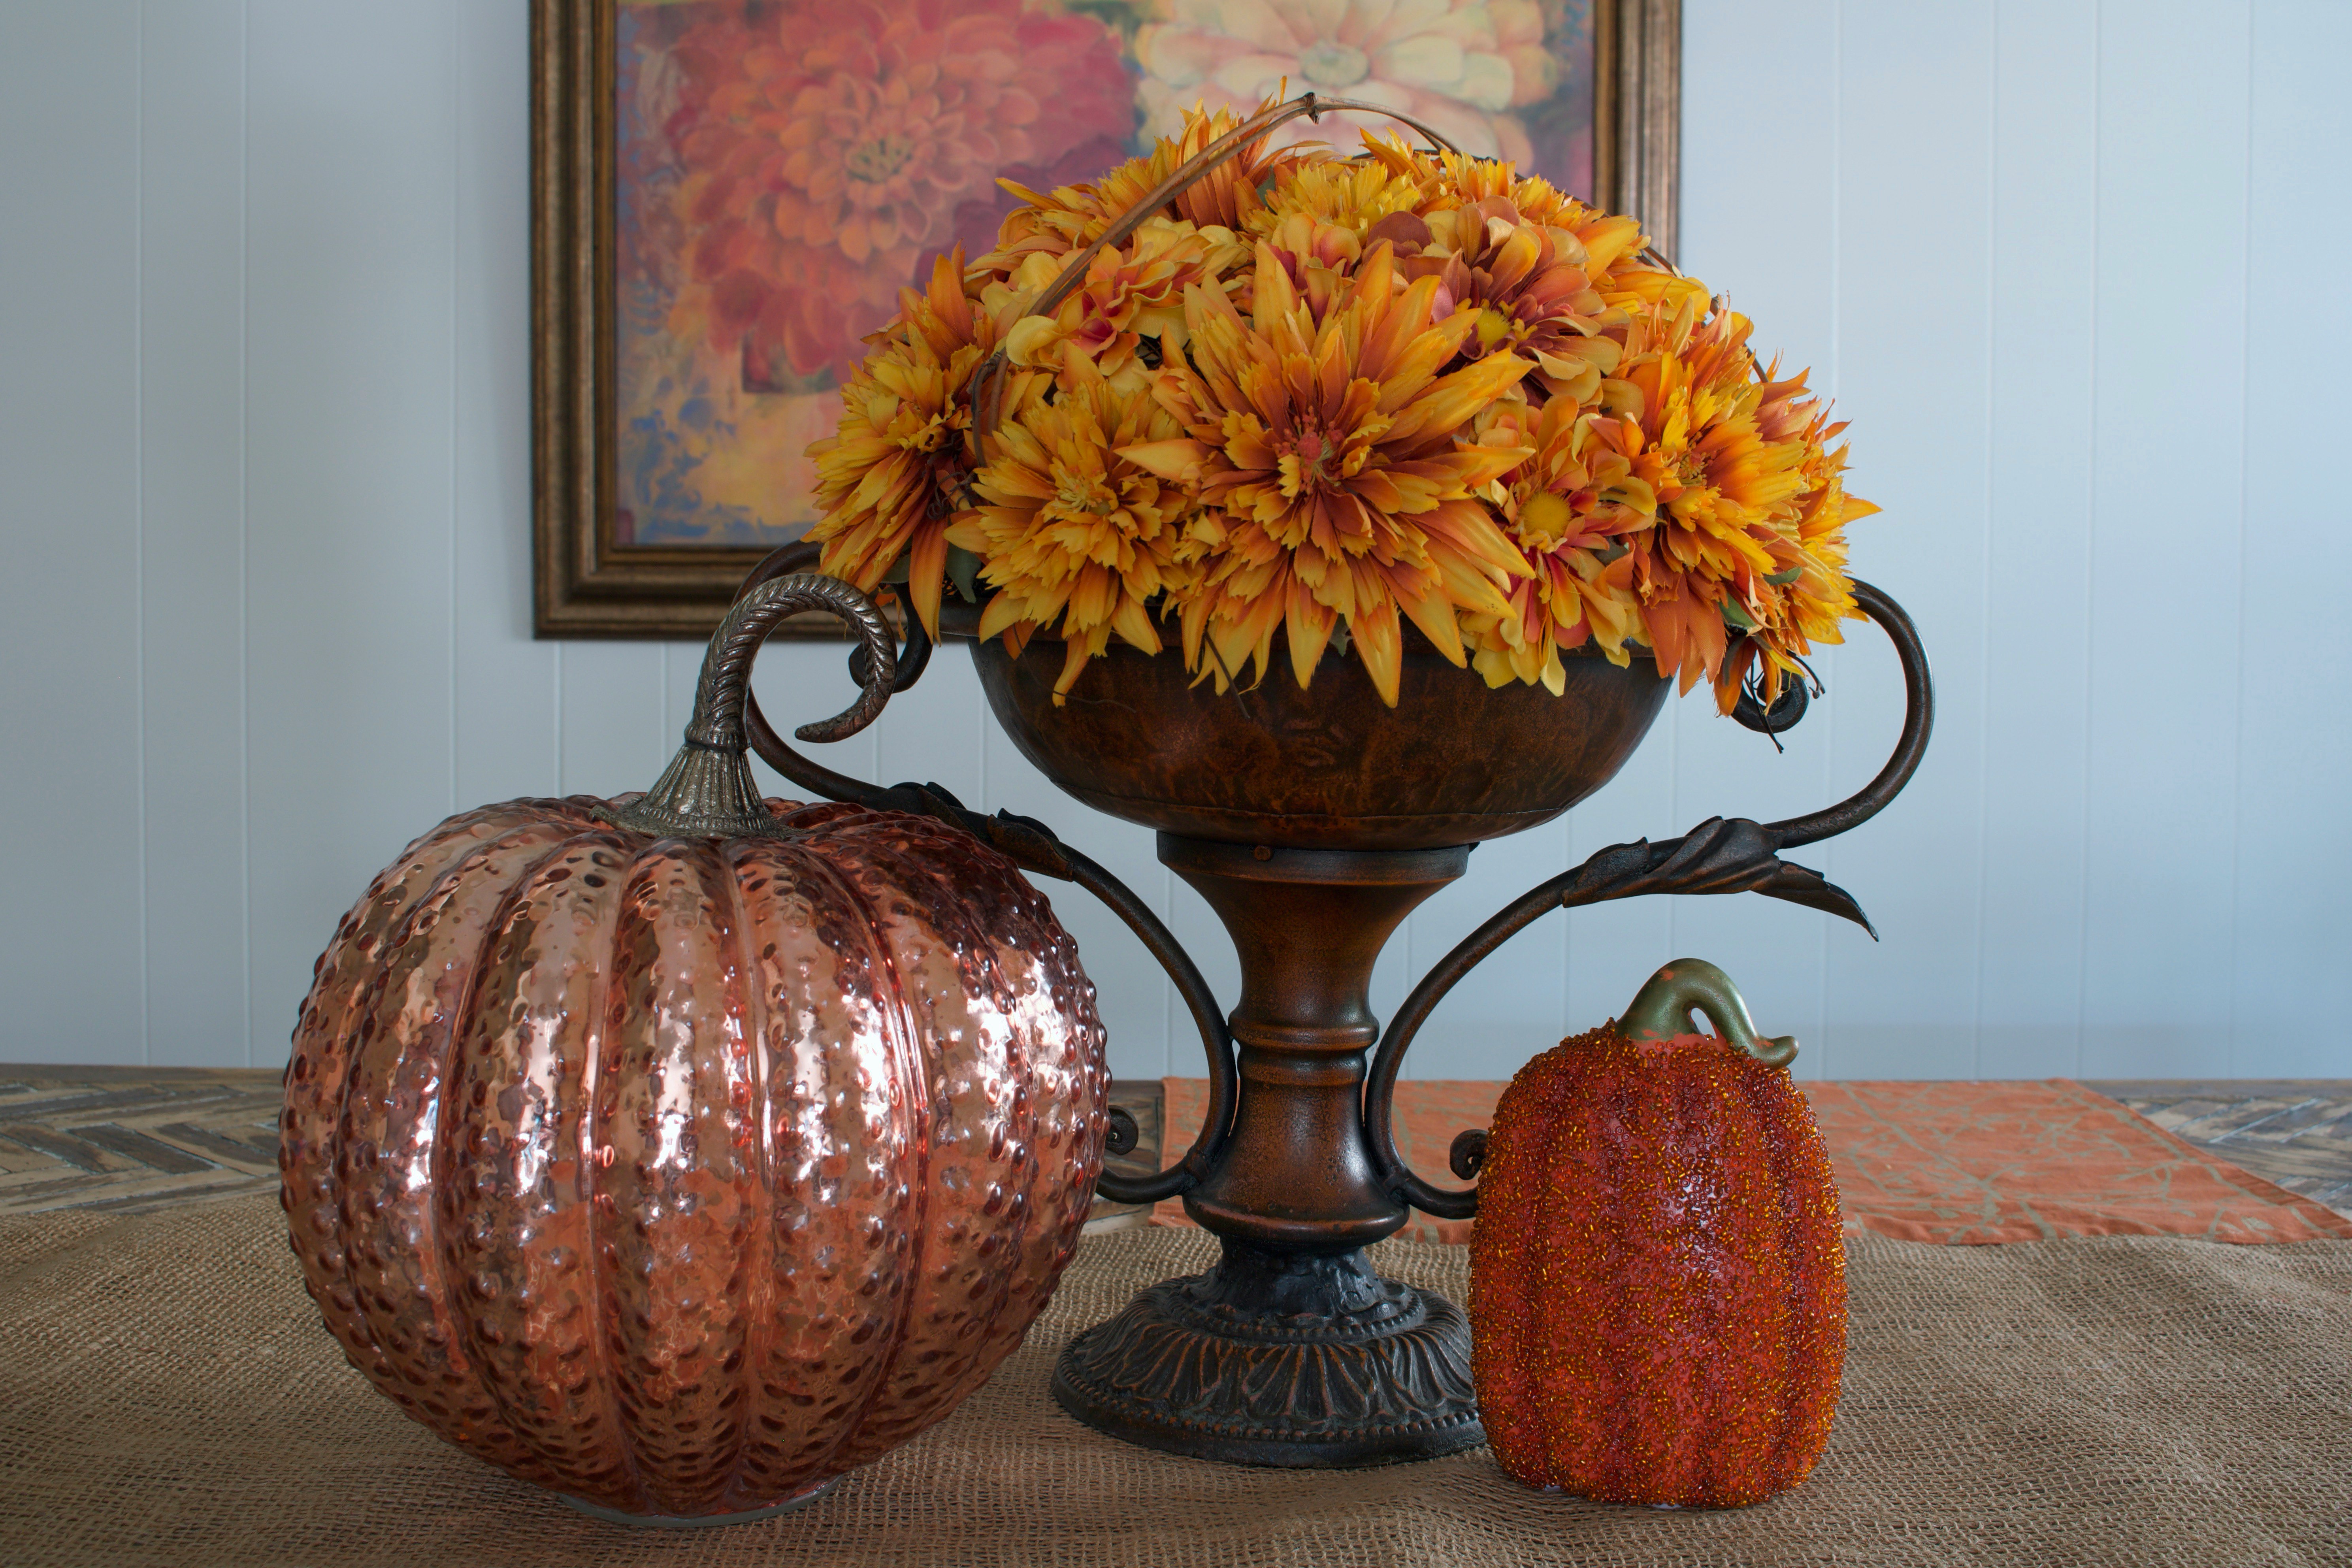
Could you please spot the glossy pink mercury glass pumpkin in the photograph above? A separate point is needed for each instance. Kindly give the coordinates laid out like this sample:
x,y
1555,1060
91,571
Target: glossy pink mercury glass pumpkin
x,y
682,1171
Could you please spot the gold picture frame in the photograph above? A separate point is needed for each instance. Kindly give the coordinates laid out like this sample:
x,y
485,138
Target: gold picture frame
x,y
589,581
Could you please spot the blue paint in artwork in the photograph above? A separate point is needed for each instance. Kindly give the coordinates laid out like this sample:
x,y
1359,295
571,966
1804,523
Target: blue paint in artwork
x,y
655,464
658,486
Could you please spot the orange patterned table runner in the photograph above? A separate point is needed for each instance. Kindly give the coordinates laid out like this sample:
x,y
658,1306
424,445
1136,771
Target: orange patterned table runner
x,y
1957,1164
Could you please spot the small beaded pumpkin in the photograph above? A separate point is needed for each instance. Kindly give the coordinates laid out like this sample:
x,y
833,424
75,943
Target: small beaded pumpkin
x,y
1657,1278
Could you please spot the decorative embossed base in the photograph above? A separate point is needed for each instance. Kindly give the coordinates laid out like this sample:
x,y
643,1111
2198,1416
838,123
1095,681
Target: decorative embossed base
x,y
1280,1358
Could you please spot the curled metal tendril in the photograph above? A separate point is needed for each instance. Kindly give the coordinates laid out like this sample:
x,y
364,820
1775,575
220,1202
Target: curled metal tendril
x,y
1716,857
1124,1134
708,787
724,690
1467,1157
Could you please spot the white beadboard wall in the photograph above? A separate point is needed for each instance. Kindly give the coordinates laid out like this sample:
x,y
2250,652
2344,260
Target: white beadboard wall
x,y
2074,271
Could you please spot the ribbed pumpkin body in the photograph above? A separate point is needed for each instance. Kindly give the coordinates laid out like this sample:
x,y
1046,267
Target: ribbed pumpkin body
x,y
683,1174
1657,1281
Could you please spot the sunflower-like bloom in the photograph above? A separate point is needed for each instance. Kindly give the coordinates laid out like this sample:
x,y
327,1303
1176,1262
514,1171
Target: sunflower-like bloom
x,y
1323,453
1072,531
892,476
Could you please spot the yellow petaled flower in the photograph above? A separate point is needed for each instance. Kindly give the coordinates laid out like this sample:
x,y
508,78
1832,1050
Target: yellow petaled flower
x,y
1349,196
1528,287
1564,508
1131,293
1326,447
1070,530
1071,217
1694,492
1317,396
1448,180
891,476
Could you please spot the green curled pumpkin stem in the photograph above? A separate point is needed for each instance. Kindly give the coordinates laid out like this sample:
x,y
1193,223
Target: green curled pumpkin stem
x,y
708,789
1661,1010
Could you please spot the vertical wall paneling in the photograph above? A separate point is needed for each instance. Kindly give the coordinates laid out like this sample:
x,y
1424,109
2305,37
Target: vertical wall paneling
x,y
609,714
505,700
2036,631
2167,520
350,209
1612,948
1757,226
71,927
1915,297
2292,905
190,481
2068,269
1510,1006
797,682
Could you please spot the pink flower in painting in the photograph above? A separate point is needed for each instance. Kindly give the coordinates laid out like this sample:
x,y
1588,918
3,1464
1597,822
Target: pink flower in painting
x,y
830,146
1455,65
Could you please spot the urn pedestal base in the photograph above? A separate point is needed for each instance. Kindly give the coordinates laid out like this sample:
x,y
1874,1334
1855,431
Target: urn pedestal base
x,y
1301,1360
1291,1350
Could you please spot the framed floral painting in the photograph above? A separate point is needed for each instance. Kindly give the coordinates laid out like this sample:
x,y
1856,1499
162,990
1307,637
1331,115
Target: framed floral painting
x,y
729,195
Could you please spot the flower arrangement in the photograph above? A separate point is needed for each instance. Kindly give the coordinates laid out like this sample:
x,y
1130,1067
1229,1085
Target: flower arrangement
x,y
1323,395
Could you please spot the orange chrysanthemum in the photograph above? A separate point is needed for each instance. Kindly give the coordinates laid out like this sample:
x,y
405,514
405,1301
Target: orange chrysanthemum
x,y
892,476
1074,533
1130,293
1688,491
1324,455
1071,217
1317,397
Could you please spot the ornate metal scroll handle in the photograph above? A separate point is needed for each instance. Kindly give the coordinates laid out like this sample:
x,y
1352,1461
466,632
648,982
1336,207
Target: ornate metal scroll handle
x,y
1716,857
987,381
1030,844
708,787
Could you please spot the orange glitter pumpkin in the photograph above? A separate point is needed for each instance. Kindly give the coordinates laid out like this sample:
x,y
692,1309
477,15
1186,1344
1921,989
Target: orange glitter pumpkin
x,y
1657,1283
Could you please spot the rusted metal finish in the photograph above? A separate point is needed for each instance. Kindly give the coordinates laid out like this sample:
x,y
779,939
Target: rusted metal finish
x,y
1331,767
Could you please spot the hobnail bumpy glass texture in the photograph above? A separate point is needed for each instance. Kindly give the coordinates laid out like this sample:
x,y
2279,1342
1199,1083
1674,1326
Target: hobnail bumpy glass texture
x,y
680,1174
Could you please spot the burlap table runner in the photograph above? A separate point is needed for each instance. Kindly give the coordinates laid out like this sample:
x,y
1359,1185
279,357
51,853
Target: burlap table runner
x,y
167,1396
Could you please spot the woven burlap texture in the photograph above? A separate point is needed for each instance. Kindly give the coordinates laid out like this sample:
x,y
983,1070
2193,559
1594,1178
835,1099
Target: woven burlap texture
x,y
168,1396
